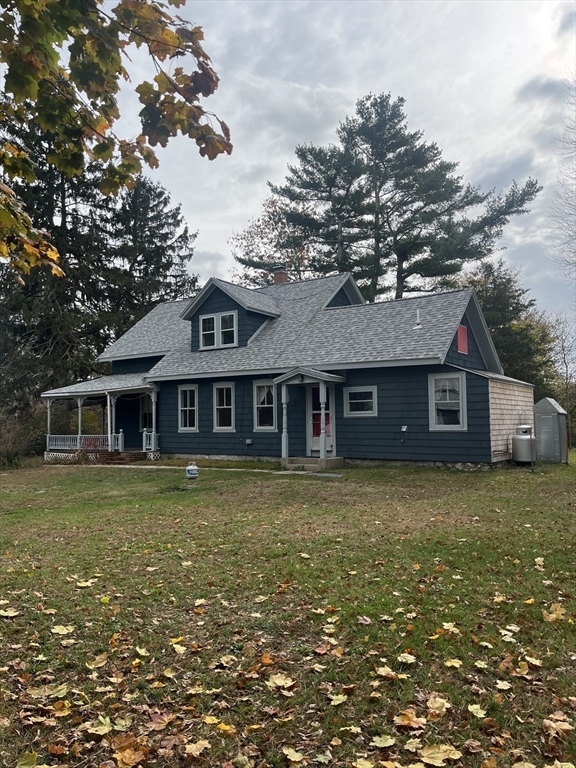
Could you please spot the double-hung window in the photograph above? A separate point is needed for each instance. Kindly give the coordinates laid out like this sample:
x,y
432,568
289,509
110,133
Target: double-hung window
x,y
447,401
219,330
264,406
188,408
224,408
360,401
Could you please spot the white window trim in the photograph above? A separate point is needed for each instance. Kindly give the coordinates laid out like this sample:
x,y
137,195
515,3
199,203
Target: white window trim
x,y
432,403
264,383
180,427
217,316
221,385
143,399
360,414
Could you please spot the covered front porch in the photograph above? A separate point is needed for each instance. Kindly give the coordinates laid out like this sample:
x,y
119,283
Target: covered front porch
x,y
320,417
105,393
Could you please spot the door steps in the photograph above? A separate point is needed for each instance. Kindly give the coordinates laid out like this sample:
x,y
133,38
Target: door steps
x,y
312,463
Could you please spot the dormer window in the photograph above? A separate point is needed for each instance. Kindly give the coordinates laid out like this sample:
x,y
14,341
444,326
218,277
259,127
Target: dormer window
x,y
219,330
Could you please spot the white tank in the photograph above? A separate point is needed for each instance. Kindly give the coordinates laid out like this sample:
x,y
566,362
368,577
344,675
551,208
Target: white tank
x,y
523,445
191,471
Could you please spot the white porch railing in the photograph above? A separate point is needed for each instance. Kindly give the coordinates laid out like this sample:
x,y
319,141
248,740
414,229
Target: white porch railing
x,y
84,442
150,440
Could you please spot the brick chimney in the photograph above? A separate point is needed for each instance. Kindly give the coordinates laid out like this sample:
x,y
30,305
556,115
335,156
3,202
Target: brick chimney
x,y
279,274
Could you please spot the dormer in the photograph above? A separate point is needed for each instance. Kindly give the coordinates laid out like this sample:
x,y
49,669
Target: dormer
x,y
224,315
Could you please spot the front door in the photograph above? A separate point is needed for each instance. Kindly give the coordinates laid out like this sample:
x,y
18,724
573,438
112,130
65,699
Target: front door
x,y
314,418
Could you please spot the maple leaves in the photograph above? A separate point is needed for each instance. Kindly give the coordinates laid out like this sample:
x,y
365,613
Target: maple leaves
x,y
76,101
277,668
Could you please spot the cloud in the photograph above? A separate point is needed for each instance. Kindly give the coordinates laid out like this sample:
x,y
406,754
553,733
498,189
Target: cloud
x,y
210,264
567,22
542,88
483,80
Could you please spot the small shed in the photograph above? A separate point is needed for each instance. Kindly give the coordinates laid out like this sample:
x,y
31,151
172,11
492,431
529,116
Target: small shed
x,y
551,431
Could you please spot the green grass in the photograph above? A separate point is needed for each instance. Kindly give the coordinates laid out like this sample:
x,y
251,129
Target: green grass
x,y
186,600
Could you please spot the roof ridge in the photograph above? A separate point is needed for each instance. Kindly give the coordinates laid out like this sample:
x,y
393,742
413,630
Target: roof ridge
x,y
309,280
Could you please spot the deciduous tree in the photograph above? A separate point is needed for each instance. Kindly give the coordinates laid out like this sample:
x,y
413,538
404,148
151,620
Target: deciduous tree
x,y
64,66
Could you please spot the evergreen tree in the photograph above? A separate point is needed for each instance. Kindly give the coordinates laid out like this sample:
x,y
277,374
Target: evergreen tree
x,y
387,206
524,337
120,258
151,249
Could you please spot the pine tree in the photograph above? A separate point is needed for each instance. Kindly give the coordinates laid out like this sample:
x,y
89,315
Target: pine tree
x,y
120,258
387,206
524,337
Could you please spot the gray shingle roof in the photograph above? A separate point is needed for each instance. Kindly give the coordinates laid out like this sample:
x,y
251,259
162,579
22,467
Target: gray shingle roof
x,y
253,299
160,331
302,334
306,335
103,384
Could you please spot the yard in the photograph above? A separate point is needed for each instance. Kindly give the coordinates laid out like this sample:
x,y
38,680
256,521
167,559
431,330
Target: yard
x,y
393,617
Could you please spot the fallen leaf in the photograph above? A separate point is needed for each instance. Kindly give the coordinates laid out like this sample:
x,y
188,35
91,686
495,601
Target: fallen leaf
x,y
61,630
292,755
453,663
477,710
197,747
383,741
408,719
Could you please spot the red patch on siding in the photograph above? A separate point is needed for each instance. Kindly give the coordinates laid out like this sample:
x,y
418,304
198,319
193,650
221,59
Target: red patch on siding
x,y
463,339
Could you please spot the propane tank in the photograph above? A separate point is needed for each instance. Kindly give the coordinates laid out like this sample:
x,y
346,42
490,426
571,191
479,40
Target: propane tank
x,y
192,471
523,445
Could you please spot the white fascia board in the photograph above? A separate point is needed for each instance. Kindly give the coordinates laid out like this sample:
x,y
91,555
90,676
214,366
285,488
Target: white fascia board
x,y
349,285
492,376
210,286
270,372
308,374
190,308
96,392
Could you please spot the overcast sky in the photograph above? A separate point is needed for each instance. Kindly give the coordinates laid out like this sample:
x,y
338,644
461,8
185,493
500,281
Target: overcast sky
x,y
483,79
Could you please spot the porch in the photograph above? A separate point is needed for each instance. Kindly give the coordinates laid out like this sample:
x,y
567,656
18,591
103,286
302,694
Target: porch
x,y
108,445
320,418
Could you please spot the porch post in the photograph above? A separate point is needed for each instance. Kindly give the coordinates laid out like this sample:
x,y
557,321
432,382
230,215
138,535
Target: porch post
x,y
322,419
284,421
113,404
79,400
154,398
48,420
109,415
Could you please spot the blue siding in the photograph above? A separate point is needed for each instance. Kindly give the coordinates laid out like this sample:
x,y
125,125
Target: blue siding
x,y
340,299
218,301
474,357
402,400
135,365
206,440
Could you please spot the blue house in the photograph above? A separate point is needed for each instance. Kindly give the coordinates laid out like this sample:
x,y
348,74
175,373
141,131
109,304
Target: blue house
x,y
306,372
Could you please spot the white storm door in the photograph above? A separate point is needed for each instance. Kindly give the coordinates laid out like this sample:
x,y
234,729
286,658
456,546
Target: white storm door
x,y
314,417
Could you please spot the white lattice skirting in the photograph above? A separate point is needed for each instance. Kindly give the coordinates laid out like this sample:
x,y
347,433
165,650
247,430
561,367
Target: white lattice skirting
x,y
153,455
59,456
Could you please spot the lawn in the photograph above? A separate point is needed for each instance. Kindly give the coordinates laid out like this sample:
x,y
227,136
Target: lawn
x,y
390,617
